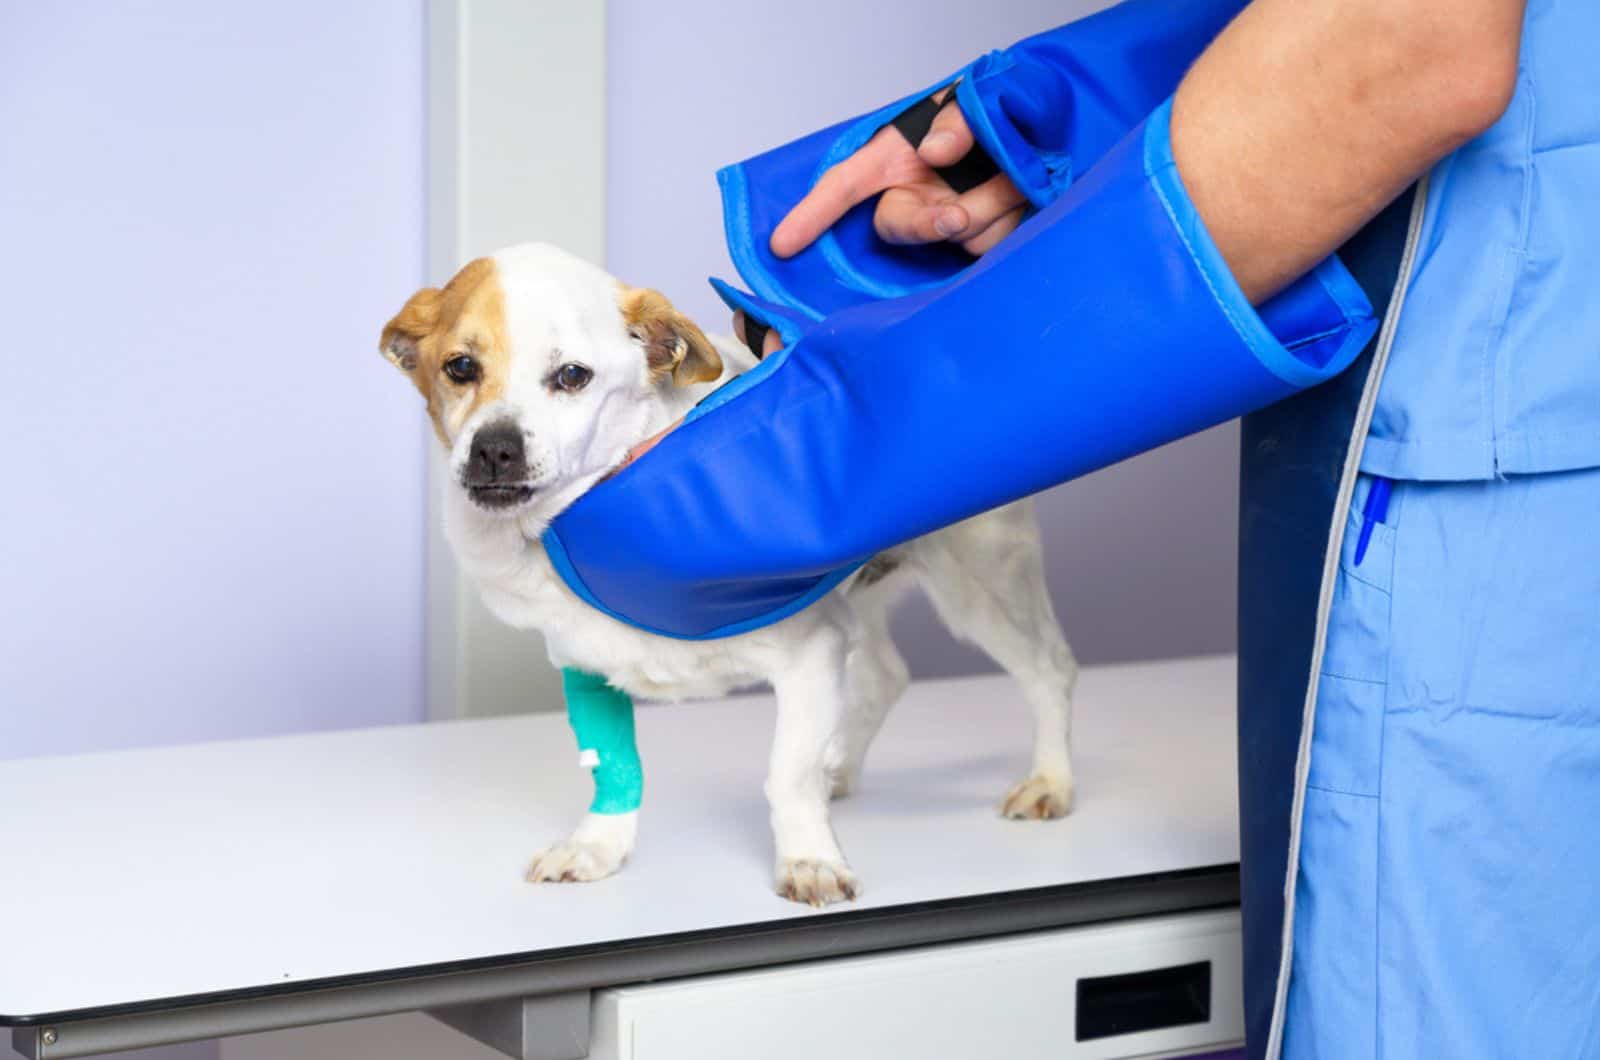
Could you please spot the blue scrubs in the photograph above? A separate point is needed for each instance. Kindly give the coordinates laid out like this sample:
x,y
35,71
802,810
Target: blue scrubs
x,y
1423,880
1449,866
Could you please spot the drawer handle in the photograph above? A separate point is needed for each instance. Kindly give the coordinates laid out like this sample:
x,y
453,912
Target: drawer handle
x,y
1109,1005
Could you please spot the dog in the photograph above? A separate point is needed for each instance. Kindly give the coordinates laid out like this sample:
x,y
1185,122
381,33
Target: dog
x,y
541,373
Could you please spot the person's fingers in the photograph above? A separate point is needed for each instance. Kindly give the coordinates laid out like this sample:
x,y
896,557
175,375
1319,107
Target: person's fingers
x,y
858,177
840,188
917,214
906,215
913,208
644,447
985,241
770,342
948,140
986,204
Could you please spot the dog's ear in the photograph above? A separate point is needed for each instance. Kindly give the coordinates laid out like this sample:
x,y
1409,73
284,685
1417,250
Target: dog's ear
x,y
403,335
673,345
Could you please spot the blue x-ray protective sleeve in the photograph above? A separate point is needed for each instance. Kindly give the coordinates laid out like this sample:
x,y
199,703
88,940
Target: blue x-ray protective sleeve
x,y
1107,325
1045,110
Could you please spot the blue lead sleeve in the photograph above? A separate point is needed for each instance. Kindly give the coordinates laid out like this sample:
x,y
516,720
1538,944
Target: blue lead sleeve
x,y
602,720
1048,107
1044,110
1106,325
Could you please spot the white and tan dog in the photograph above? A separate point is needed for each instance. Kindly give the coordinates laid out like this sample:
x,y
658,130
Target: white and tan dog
x,y
541,372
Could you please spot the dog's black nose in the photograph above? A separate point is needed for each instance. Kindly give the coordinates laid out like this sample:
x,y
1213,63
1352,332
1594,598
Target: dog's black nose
x,y
497,455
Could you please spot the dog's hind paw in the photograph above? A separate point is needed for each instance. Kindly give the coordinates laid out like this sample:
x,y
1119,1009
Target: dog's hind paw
x,y
571,861
817,883
1039,798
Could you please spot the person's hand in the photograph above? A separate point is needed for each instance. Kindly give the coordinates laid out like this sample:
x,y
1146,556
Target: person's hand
x,y
917,205
770,342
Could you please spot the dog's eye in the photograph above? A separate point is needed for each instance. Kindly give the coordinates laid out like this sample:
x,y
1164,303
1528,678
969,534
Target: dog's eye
x,y
462,369
573,376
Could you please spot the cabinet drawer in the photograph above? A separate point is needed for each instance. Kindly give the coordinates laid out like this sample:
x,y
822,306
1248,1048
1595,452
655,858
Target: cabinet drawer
x,y
1154,987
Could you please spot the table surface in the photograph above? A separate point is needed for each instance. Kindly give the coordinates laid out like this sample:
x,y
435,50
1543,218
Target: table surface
x,y
138,877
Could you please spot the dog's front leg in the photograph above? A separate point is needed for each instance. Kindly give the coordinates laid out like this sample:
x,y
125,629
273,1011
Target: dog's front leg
x,y
811,697
602,720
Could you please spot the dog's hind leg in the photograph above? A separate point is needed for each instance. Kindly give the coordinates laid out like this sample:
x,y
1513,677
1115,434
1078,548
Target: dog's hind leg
x,y
986,579
875,673
811,695
876,677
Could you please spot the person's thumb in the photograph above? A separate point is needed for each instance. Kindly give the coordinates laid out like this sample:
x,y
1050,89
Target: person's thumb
x,y
903,216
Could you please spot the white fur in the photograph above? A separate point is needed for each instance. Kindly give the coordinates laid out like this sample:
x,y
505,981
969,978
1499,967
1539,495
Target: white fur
x,y
833,666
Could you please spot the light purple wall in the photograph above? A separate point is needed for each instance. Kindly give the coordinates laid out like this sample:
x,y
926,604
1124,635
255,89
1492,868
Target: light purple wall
x,y
1141,555
212,514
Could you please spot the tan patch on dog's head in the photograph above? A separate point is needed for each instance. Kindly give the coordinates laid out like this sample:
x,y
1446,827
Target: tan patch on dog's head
x,y
673,345
465,318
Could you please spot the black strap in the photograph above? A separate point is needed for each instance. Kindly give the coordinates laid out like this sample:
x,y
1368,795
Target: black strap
x,y
972,169
755,336
915,121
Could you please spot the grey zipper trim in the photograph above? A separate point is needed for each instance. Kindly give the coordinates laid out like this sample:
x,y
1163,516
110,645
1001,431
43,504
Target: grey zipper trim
x,y
1330,572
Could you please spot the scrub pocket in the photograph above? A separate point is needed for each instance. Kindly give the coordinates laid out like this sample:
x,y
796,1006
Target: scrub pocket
x,y
1332,1001
1348,732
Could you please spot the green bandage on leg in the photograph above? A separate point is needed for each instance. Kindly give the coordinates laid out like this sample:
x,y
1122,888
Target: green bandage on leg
x,y
602,719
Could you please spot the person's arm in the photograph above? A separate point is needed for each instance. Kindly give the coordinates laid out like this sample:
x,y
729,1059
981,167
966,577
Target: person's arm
x,y
1303,120
1298,123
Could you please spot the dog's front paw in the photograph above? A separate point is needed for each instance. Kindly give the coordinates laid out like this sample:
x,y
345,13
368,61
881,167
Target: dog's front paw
x,y
571,861
598,847
817,883
1039,798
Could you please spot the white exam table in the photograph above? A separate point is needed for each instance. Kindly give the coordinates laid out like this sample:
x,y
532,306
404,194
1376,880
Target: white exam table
x,y
168,895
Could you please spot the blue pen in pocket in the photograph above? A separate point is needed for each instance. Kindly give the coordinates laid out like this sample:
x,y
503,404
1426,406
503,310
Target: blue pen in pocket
x,y
1372,513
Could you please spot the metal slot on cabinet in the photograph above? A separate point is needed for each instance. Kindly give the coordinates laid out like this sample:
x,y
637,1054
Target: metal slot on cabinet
x,y
1110,1005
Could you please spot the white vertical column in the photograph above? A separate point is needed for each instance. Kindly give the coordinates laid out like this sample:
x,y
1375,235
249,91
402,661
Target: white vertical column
x,y
516,152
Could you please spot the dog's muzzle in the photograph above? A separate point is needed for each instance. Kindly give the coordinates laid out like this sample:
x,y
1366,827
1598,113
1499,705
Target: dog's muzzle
x,y
496,475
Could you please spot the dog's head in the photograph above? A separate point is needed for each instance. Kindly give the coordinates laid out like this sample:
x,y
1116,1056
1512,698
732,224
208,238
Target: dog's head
x,y
541,371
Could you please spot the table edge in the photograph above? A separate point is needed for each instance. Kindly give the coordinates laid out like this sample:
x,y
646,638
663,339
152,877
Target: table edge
x,y
702,951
